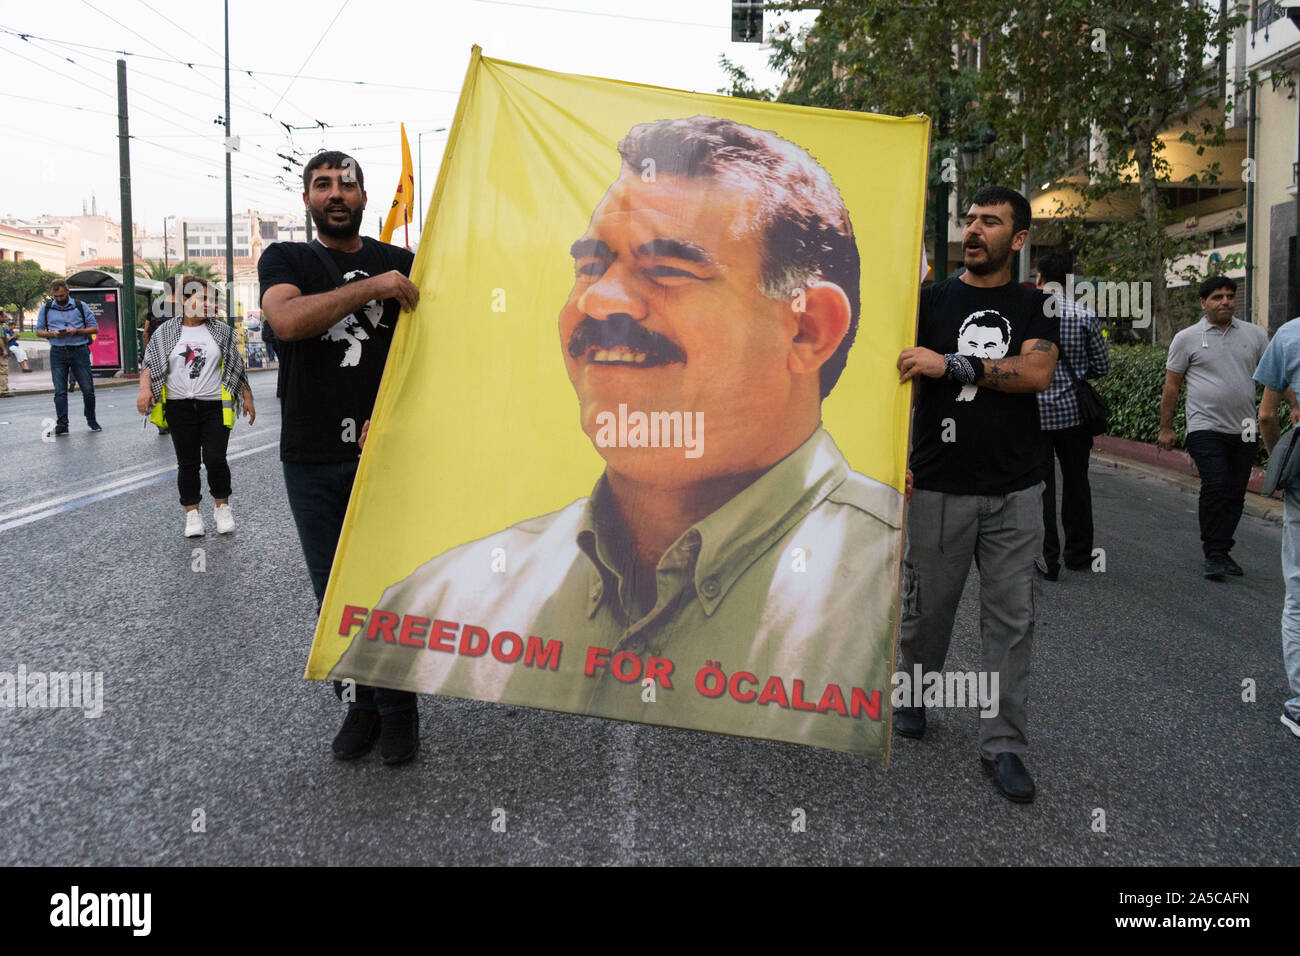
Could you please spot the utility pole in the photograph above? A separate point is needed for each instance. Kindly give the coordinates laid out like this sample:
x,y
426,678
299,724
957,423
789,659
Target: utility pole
x,y
126,300
166,259
230,218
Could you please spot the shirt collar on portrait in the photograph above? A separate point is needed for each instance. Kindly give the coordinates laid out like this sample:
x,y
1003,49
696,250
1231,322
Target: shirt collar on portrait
x,y
730,539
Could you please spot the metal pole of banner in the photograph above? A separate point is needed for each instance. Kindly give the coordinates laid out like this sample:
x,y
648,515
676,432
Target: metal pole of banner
x,y
126,300
230,218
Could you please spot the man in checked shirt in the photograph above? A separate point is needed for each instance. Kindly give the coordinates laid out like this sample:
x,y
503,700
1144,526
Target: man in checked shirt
x,y
1084,349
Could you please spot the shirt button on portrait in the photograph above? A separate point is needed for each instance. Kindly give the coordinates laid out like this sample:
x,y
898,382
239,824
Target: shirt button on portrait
x,y
710,587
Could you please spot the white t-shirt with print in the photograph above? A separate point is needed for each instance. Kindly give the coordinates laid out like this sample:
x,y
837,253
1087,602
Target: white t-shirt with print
x,y
194,366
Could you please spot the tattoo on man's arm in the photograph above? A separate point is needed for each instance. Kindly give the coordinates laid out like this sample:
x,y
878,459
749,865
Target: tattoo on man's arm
x,y
1042,345
999,372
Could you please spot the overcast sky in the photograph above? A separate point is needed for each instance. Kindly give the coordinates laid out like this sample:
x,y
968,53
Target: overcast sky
x,y
410,59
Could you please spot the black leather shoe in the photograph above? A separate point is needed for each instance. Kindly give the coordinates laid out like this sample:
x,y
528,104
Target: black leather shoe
x,y
359,732
1215,568
1231,566
1010,777
910,721
1050,572
400,738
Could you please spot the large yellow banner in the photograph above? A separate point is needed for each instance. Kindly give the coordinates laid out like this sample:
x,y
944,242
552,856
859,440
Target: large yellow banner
x,y
639,452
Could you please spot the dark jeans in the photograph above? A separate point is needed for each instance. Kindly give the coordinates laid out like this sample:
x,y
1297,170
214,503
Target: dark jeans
x,y
74,359
1070,447
198,433
318,498
1224,461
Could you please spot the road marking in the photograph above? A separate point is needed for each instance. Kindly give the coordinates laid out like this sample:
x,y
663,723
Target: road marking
x,y
64,503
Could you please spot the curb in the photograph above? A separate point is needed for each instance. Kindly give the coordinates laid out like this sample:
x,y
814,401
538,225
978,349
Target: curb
x,y
1256,505
104,383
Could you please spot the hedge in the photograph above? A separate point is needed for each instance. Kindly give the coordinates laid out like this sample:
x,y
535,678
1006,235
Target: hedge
x,y
1133,388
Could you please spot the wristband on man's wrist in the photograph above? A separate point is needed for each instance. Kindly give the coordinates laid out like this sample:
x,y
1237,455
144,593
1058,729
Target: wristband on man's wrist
x,y
962,369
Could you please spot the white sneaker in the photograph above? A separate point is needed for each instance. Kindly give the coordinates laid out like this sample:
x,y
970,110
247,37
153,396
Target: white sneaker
x,y
193,524
225,519
1292,723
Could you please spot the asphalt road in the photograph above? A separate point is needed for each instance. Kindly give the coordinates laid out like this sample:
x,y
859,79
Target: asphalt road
x,y
1136,707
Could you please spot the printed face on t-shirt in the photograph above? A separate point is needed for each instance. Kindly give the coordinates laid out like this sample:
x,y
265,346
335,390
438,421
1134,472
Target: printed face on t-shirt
x,y
984,334
354,330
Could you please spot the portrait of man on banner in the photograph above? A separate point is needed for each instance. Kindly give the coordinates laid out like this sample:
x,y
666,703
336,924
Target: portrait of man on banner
x,y
729,571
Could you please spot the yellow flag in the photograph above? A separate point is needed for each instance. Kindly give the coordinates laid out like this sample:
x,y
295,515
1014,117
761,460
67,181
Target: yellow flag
x,y
400,211
640,451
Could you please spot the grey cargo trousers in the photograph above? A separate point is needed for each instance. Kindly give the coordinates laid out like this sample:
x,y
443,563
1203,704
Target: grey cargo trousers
x,y
1003,533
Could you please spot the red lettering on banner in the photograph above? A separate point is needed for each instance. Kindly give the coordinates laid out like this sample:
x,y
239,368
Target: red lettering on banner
x,y
352,617
774,693
860,703
413,628
443,637
381,622
498,645
596,657
538,654
660,670
798,703
734,686
622,673
832,699
468,635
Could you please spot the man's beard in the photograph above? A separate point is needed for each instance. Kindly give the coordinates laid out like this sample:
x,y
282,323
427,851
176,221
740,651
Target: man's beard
x,y
994,260
327,228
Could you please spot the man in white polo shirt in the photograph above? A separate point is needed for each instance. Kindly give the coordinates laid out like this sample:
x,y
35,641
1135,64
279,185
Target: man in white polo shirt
x,y
1218,356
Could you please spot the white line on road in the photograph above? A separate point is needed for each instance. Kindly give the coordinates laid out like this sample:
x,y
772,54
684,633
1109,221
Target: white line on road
x,y
54,506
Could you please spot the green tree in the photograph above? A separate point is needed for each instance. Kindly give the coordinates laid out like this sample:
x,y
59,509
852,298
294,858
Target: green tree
x,y
156,270
23,285
1016,91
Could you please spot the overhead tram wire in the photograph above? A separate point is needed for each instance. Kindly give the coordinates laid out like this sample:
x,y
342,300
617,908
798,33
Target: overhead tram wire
x,y
136,108
303,66
233,66
601,13
217,66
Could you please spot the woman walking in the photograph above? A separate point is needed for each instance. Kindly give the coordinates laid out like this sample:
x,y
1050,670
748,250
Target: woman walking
x,y
195,382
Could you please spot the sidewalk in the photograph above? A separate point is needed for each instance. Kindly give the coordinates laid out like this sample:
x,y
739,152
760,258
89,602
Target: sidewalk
x,y
1178,469
39,383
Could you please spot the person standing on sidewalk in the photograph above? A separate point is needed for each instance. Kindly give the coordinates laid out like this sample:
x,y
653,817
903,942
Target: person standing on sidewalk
x,y
334,304
1279,373
193,367
1083,352
985,346
68,325
1217,356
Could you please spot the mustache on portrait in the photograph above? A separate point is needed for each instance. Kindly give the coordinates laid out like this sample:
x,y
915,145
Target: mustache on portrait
x,y
621,329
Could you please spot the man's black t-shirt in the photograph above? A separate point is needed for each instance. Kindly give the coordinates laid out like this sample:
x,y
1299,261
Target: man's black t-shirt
x,y
329,382
968,440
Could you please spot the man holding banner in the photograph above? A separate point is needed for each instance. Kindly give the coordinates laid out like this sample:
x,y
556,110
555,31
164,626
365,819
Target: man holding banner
x,y
715,300
334,304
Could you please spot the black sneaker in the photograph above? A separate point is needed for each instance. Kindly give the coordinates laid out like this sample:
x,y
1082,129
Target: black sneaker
x,y
1215,568
95,426
400,738
910,721
358,734
1231,566
61,430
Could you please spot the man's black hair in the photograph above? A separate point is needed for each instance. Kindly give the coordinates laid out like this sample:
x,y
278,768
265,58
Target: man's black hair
x,y
996,195
1214,283
59,284
805,225
993,321
331,159
1054,267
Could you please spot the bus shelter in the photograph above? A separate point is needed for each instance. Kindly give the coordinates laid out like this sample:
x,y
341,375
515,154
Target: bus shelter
x,y
102,294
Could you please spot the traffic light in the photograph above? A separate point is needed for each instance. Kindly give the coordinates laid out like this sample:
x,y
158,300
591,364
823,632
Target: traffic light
x,y
746,21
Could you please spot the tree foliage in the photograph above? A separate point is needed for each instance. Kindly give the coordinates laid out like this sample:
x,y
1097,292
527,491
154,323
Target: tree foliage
x,y
23,284
1022,92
